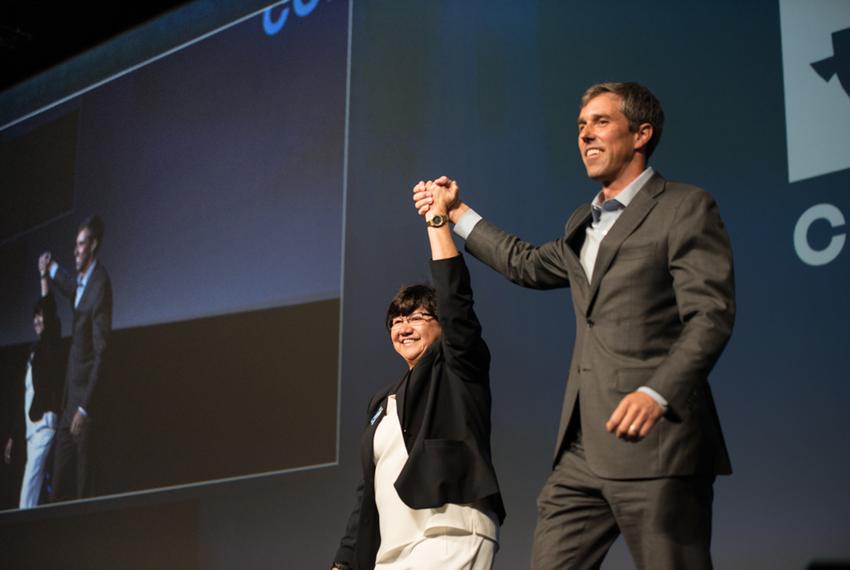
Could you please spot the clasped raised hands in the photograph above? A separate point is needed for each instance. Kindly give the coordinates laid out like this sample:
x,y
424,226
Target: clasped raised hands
x,y
440,196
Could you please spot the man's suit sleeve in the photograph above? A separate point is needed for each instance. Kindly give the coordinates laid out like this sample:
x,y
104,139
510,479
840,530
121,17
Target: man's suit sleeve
x,y
101,329
543,267
700,262
64,284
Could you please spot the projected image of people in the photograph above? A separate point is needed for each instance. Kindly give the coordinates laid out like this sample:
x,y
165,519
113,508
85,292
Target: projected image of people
x,y
202,176
42,396
429,497
90,292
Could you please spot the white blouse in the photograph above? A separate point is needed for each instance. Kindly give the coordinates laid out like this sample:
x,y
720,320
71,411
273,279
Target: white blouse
x,y
399,524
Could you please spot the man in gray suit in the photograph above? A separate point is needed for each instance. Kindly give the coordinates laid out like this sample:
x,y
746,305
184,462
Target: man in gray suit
x,y
90,294
649,266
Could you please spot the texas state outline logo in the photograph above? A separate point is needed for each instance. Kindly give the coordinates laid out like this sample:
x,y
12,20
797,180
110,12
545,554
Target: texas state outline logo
x,y
816,73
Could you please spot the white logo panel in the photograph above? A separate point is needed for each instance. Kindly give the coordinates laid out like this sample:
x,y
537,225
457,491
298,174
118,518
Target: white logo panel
x,y
817,105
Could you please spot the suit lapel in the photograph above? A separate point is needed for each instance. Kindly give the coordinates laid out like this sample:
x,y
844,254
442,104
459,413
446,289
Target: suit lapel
x,y
78,308
578,222
640,206
574,236
89,284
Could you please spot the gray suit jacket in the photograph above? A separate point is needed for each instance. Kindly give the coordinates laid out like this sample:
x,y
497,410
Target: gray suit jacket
x,y
90,331
657,313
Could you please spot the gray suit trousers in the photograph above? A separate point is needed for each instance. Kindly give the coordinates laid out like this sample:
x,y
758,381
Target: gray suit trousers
x,y
666,522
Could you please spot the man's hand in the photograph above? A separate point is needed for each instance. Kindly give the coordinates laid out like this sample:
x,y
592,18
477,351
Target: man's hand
x,y
44,262
78,423
634,416
7,453
441,193
445,193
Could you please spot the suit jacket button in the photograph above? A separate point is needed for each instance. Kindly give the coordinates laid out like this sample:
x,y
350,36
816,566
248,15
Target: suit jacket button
x,y
590,323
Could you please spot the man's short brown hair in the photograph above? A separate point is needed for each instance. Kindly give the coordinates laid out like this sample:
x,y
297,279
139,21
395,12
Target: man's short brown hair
x,y
95,227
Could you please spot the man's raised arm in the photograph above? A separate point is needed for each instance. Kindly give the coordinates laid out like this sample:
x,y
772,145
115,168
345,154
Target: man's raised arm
x,y
525,264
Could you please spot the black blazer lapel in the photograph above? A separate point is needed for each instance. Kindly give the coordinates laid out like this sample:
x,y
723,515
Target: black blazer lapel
x,y
418,386
377,410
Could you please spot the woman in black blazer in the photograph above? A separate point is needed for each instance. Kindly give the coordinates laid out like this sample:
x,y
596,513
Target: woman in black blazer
x,y
44,373
429,497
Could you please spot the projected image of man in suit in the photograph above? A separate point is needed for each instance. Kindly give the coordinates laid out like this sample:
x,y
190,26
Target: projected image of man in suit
x,y
90,294
649,265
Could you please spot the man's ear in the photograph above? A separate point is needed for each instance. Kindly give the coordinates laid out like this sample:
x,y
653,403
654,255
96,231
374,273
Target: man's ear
x,y
94,246
643,135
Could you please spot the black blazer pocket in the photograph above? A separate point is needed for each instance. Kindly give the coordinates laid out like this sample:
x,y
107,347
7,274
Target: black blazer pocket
x,y
446,461
436,474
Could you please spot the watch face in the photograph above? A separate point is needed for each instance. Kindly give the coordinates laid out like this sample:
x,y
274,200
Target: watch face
x,y
437,221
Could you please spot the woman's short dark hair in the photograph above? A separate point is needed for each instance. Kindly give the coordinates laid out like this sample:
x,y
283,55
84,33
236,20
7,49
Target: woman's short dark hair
x,y
410,298
52,324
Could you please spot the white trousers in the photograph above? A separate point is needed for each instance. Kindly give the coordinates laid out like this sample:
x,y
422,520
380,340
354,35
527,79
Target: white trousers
x,y
449,550
38,446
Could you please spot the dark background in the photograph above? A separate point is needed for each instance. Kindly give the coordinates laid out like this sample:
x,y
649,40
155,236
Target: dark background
x,y
487,92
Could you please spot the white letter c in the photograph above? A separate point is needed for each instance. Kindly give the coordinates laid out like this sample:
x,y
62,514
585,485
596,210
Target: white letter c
x,y
811,256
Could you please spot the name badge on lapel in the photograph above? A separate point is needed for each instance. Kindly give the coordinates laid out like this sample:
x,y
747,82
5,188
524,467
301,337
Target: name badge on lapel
x,y
376,416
